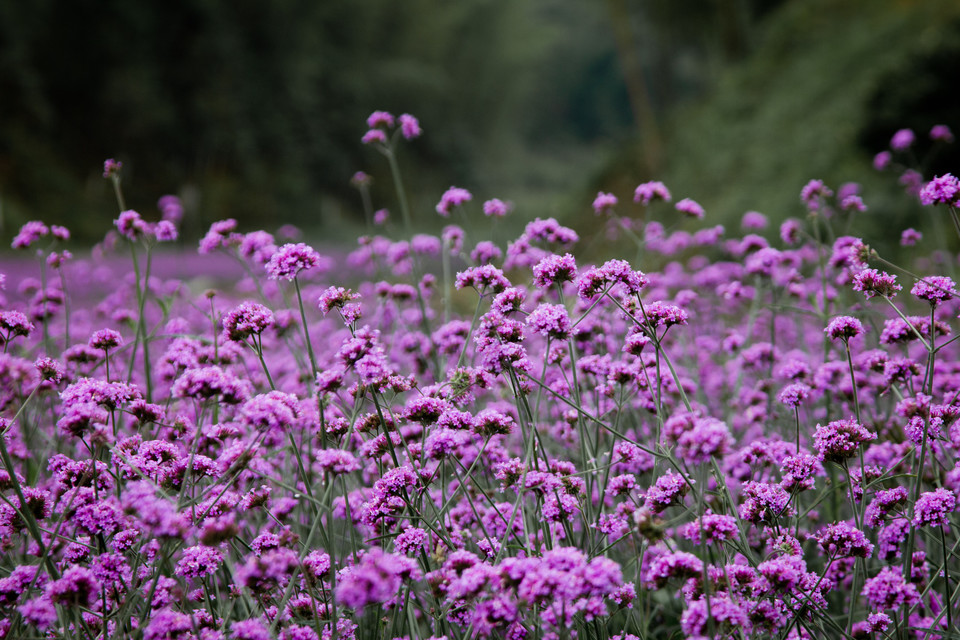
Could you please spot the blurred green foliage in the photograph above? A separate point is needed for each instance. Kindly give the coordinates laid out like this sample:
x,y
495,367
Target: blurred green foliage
x,y
254,110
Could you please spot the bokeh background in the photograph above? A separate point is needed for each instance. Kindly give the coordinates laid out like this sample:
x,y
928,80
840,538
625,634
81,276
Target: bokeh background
x,y
254,110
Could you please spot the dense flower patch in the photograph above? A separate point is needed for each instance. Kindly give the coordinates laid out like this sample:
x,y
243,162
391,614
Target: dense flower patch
x,y
727,437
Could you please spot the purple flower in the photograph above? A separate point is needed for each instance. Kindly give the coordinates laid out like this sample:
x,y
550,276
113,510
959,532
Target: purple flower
x,y
374,135
753,220
482,278
220,236
902,140
272,411
485,252
105,339
409,126
764,502
76,587
380,119
604,203
941,132
934,289
690,208
882,160
838,440
496,208
550,321
661,314
111,168
600,279
131,225
910,237
411,542
841,540
554,269
729,618
452,197
712,528
249,318
291,259
871,282
376,578
668,490
843,328
13,324
651,191
813,192
933,508
888,590
794,394
199,561
29,233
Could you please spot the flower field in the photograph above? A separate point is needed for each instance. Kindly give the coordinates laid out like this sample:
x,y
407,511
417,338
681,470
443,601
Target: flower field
x,y
728,435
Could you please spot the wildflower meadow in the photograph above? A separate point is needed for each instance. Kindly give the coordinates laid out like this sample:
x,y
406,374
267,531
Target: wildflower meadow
x,y
719,435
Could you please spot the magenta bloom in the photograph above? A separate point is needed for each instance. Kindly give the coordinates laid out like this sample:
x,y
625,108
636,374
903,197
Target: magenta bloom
x,y
941,132
839,439
380,119
495,208
291,259
843,328
934,289
376,578
604,203
551,321
841,540
554,269
409,126
30,233
813,192
871,282
933,508
902,140
650,191
250,318
943,189
690,207
452,197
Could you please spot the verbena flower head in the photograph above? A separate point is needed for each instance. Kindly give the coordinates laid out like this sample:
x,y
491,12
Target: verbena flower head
x,y
247,319
496,208
841,540
554,269
597,280
888,590
409,126
838,440
934,289
902,140
941,132
380,119
29,233
291,259
111,168
483,278
550,321
813,193
105,339
933,508
882,160
844,328
452,197
690,208
871,282
604,203
131,225
651,191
